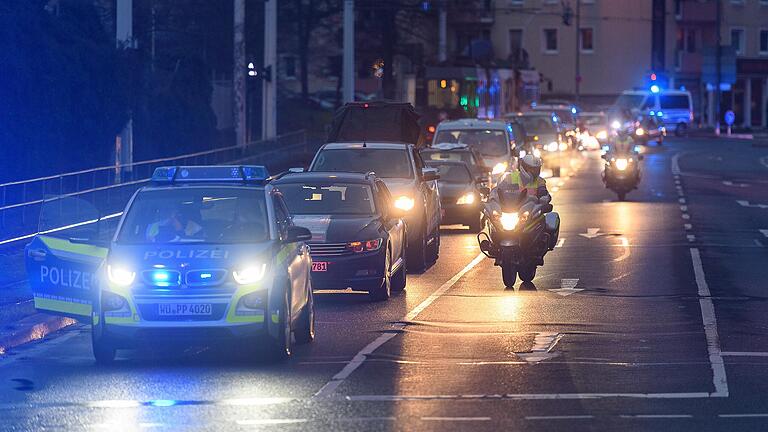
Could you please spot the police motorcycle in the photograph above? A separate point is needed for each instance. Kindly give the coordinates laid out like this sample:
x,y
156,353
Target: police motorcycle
x,y
522,229
621,172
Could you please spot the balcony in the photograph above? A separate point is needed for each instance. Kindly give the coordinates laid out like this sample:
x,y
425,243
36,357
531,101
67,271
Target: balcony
x,y
472,12
696,11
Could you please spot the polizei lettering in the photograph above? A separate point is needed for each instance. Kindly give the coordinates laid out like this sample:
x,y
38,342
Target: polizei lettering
x,y
65,277
187,254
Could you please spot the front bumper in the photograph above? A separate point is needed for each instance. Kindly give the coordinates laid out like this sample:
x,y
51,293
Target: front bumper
x,y
460,214
146,335
361,272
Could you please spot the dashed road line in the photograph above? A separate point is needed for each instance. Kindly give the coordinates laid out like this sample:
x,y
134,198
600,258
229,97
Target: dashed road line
x,y
459,419
561,417
656,416
746,415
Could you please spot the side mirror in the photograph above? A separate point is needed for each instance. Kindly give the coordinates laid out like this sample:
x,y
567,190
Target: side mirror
x,y
430,174
484,190
297,234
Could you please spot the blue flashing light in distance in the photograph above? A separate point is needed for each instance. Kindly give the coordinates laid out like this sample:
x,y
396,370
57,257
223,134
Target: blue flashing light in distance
x,y
659,113
573,110
653,113
654,88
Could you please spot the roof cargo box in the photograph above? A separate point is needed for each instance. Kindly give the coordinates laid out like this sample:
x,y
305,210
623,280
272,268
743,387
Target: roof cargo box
x,y
376,121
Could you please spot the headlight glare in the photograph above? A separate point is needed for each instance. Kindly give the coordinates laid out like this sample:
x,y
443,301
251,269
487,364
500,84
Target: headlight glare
x,y
119,275
552,147
499,168
466,199
602,135
621,164
537,153
509,221
404,203
250,274
639,131
563,146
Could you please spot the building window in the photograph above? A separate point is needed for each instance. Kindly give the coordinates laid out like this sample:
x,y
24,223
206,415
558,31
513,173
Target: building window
x,y
737,40
764,42
587,40
515,43
550,41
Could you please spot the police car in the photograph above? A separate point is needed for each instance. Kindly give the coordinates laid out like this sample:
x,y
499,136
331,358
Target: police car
x,y
203,254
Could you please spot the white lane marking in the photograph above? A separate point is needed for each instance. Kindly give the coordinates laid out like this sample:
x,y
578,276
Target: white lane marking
x,y
748,204
755,415
758,243
676,164
627,250
543,344
656,416
688,226
686,216
719,378
691,237
764,232
269,422
461,419
730,183
360,357
534,396
684,208
681,200
561,417
680,193
561,242
592,233
567,287
744,354
764,161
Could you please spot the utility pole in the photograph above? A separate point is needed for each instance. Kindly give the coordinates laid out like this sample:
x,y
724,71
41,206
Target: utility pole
x,y
442,36
348,66
124,39
578,50
718,60
269,95
238,75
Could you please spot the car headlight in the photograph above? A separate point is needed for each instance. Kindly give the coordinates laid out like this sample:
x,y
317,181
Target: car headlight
x,y
499,168
537,153
120,275
621,164
250,274
466,199
365,246
602,135
562,146
509,221
639,131
616,124
523,153
404,203
552,147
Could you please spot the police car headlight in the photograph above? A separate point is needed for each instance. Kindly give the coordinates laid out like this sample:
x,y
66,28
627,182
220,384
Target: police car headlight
x,y
250,274
639,131
120,275
466,199
404,203
509,221
602,135
499,168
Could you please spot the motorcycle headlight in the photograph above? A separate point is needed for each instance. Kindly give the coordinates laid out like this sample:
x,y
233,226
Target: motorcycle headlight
x,y
639,131
621,164
119,275
537,153
404,203
602,135
509,221
466,199
250,274
499,168
552,147
562,146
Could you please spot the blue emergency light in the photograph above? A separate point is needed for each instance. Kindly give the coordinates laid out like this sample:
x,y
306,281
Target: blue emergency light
x,y
211,173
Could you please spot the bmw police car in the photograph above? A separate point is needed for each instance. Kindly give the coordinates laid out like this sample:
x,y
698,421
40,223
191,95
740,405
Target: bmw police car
x,y
203,254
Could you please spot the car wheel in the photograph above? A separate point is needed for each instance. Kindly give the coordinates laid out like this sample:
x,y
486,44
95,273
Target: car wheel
x,y
434,248
280,347
417,250
305,331
104,350
384,291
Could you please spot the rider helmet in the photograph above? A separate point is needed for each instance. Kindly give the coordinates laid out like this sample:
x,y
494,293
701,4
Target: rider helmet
x,y
530,167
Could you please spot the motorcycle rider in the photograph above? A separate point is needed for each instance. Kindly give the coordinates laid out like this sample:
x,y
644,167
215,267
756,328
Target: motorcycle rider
x,y
622,146
527,177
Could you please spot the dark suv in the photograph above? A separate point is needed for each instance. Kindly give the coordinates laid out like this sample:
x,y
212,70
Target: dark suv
x,y
412,184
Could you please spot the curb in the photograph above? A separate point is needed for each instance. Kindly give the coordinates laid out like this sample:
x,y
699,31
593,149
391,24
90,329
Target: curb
x,y
31,328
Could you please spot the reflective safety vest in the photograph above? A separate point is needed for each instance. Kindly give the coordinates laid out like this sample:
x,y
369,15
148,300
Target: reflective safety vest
x,y
513,177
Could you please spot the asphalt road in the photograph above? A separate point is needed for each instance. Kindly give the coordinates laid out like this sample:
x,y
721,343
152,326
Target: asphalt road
x,y
653,319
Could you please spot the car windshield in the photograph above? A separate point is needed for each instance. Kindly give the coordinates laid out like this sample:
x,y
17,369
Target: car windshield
x,y
674,102
488,142
386,163
565,115
537,125
328,198
196,215
629,101
453,173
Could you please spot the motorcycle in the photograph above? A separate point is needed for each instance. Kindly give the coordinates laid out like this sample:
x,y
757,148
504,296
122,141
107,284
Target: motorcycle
x,y
622,173
519,235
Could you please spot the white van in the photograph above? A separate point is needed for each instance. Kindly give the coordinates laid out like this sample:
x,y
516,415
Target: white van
x,y
675,107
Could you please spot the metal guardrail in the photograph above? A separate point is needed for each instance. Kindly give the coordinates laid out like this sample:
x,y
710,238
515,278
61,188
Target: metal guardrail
x,y
111,186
